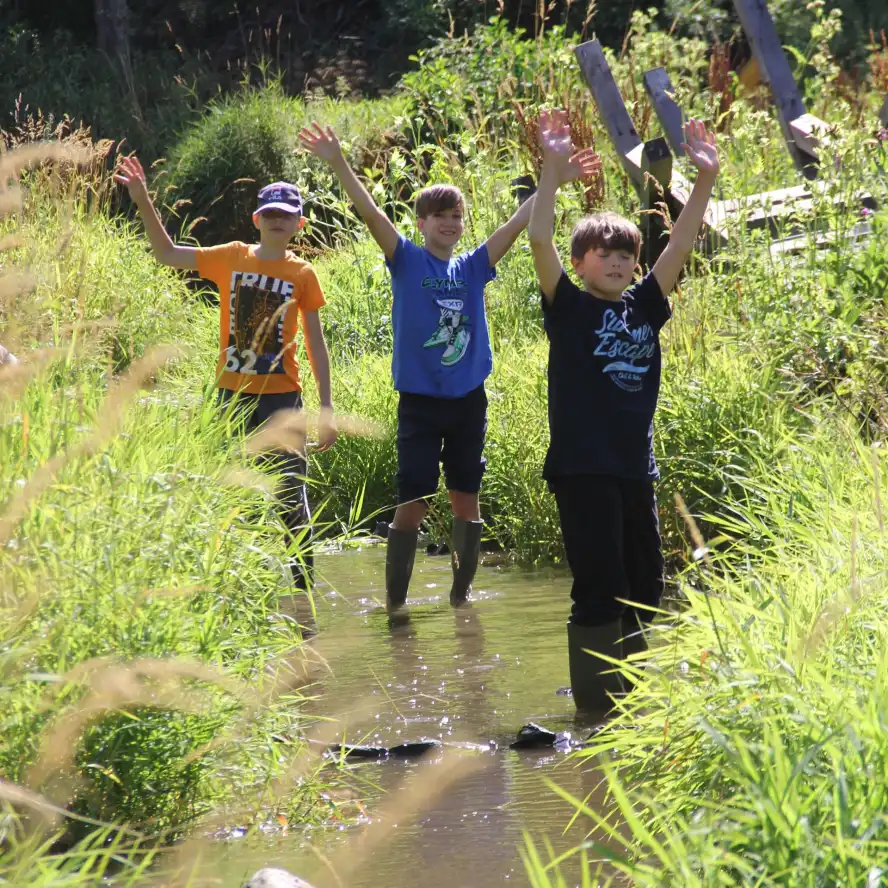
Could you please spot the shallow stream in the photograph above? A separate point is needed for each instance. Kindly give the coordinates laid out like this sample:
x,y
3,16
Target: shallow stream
x,y
466,676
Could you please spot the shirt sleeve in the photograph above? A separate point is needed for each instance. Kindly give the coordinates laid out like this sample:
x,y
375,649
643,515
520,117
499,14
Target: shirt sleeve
x,y
399,257
311,295
650,298
478,261
213,262
565,298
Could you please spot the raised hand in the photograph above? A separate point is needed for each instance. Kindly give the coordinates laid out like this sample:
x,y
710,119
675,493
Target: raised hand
x,y
554,135
321,141
129,172
585,164
558,150
700,147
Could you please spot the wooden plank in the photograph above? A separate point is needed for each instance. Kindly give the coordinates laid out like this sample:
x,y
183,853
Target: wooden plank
x,y
611,109
662,95
656,167
659,88
774,68
769,207
806,132
883,114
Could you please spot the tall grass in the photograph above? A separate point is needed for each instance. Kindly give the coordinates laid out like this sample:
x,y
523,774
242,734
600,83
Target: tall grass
x,y
749,751
149,658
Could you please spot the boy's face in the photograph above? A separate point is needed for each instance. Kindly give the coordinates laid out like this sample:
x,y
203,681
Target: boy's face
x,y
277,225
605,272
442,228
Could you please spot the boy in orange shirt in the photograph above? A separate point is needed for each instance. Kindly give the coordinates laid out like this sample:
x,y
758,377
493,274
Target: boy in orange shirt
x,y
263,292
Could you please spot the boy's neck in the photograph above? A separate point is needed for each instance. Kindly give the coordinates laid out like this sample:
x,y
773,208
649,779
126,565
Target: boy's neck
x,y
445,254
272,252
599,294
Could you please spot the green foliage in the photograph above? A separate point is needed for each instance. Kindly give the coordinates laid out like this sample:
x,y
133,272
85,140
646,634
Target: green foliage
x,y
244,141
141,590
793,20
248,139
757,731
59,77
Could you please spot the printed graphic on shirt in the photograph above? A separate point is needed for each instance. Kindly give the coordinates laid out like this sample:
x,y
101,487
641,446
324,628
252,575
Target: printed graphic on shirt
x,y
452,330
256,327
631,349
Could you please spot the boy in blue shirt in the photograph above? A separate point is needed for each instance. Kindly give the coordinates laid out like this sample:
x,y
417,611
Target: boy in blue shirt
x,y
604,379
441,359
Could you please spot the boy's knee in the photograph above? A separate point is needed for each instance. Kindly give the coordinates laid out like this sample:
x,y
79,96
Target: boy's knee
x,y
409,515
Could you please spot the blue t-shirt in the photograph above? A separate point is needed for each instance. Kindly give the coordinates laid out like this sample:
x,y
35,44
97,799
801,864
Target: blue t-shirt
x,y
604,379
442,344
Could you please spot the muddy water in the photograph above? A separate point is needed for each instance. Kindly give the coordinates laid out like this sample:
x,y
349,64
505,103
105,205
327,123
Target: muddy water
x,y
467,676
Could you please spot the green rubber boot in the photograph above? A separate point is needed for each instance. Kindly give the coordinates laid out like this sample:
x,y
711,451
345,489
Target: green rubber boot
x,y
465,548
594,682
399,557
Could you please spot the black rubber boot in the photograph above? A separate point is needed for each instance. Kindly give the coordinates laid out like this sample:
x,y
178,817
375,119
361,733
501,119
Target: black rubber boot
x,y
464,551
634,642
399,557
594,682
634,639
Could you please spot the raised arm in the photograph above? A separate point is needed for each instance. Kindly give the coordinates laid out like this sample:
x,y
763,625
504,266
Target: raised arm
x,y
324,144
500,242
319,358
131,174
560,165
701,150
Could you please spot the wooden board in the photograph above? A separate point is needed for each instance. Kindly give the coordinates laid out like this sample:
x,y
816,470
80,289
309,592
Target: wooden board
x,y
806,130
770,207
774,68
611,109
659,89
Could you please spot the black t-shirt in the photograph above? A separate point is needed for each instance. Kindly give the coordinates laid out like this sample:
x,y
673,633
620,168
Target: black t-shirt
x,y
604,378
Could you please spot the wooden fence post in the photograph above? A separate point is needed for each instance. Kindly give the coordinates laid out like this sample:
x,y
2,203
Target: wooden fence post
x,y
656,168
662,96
799,128
606,93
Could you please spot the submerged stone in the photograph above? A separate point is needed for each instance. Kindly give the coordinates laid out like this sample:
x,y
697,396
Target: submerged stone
x,y
272,877
532,736
358,752
414,748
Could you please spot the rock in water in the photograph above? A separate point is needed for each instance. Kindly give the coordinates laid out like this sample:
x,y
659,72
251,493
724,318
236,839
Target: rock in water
x,y
358,752
414,748
272,877
532,736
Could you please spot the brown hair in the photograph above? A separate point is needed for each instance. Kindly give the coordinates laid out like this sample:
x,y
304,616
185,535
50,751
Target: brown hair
x,y
438,197
605,230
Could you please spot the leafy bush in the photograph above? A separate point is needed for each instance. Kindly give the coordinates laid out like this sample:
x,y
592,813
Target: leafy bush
x,y
242,142
248,139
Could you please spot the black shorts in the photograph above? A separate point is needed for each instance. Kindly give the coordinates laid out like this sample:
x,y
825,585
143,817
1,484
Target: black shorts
x,y
612,540
434,431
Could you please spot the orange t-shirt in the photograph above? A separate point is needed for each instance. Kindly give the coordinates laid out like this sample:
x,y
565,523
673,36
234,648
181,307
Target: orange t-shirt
x,y
258,321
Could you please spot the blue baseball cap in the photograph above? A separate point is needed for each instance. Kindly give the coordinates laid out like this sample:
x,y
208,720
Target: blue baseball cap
x,y
280,196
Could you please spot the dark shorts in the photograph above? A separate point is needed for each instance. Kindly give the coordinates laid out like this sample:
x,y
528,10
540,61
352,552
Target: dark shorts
x,y
257,409
436,431
254,410
612,539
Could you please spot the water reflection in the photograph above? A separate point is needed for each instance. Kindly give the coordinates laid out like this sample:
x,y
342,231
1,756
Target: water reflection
x,y
469,677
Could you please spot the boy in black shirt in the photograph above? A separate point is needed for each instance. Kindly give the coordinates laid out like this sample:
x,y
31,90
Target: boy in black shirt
x,y
604,378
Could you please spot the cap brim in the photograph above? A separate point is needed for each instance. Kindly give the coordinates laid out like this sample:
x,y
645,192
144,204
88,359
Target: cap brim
x,y
287,208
